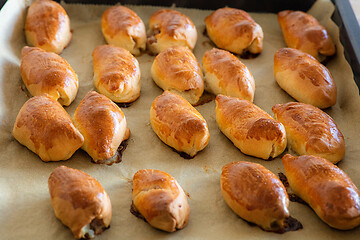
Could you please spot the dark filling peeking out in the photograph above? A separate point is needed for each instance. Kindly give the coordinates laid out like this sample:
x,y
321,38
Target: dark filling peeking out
x,y
117,157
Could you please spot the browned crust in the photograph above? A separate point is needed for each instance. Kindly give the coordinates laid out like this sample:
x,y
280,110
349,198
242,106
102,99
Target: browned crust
x,y
234,78
326,188
102,124
119,19
147,179
302,31
116,71
42,124
311,131
154,193
179,124
47,72
177,68
255,194
173,26
114,65
46,19
78,199
304,78
244,124
169,21
234,30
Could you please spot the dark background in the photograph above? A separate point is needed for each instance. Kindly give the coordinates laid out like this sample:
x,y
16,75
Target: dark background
x,y
2,2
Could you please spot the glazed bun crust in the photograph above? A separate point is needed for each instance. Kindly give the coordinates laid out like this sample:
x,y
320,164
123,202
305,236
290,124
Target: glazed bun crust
x,y
304,78
116,73
47,26
47,72
169,28
311,131
234,30
123,28
250,128
160,200
225,74
178,124
255,194
326,188
79,201
303,32
103,125
177,70
44,127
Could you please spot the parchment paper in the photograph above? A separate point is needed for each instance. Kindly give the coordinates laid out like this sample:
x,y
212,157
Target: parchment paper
x,y
25,209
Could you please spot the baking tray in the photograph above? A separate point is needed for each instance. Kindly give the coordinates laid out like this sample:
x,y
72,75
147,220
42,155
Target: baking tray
x,y
343,16
204,165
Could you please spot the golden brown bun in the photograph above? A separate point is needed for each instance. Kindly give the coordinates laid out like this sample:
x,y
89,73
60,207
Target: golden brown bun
x,y
44,127
302,31
169,28
250,128
178,124
226,74
160,200
177,70
116,73
310,131
79,201
255,194
304,78
123,28
234,30
47,26
103,125
326,188
47,72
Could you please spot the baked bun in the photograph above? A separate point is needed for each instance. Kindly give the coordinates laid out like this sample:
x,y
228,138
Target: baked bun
x,y
47,72
178,124
303,32
47,26
226,74
255,194
250,128
43,126
103,125
234,30
123,28
304,78
80,202
310,131
326,188
169,28
160,200
177,70
116,73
